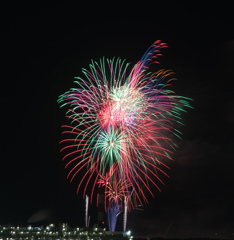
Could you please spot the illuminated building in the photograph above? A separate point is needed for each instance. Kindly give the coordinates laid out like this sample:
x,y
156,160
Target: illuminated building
x,y
60,232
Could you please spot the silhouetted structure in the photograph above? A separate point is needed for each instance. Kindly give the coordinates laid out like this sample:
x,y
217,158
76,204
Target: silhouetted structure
x,y
60,232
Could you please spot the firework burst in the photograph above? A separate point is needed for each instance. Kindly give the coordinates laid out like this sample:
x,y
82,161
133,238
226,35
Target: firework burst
x,y
121,119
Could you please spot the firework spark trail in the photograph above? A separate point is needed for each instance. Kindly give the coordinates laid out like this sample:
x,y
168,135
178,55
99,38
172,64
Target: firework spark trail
x,y
122,121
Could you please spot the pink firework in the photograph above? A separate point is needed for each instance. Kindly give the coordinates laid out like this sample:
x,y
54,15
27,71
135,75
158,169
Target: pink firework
x,y
123,121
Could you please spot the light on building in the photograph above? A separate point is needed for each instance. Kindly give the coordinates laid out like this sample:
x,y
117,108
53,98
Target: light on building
x,y
128,233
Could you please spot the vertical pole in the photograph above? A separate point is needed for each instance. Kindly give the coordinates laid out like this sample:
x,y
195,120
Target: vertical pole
x,y
125,214
86,211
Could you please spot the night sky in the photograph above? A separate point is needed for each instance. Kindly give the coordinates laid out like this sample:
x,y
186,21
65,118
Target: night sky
x,y
43,47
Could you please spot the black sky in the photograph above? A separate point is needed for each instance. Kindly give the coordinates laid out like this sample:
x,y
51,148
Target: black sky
x,y
44,46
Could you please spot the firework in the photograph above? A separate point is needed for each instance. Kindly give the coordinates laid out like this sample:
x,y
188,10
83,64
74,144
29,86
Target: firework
x,y
121,123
